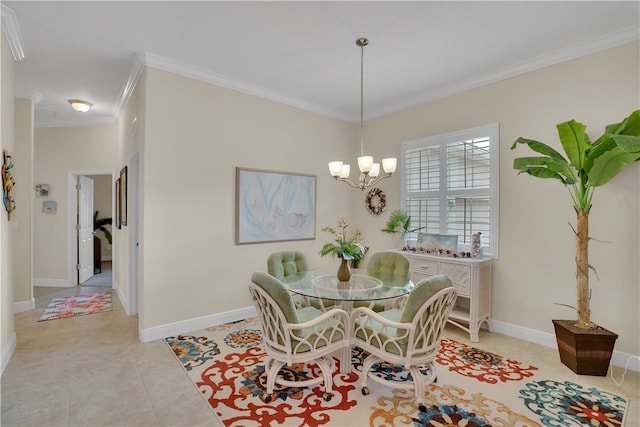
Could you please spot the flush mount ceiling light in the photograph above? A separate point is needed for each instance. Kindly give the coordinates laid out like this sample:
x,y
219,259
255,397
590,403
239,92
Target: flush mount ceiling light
x,y
369,171
80,105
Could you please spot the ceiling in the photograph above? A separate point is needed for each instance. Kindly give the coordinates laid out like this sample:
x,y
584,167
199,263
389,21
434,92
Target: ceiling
x,y
299,53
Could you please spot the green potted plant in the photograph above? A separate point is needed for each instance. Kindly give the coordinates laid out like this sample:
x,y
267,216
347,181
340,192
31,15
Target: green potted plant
x,y
400,222
586,166
348,248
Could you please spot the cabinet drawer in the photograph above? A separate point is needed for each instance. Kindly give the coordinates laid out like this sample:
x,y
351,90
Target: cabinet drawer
x,y
423,266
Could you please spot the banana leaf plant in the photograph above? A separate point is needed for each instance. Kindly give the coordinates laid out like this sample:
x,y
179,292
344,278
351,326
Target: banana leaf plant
x,y
99,224
586,166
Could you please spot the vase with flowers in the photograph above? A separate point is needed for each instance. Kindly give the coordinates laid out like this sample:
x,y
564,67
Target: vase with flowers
x,y
346,247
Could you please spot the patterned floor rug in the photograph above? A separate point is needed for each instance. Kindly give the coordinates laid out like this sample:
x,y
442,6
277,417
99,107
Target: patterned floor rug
x,y
77,305
474,388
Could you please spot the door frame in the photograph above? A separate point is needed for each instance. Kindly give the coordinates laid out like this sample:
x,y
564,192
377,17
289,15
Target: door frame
x,y
72,220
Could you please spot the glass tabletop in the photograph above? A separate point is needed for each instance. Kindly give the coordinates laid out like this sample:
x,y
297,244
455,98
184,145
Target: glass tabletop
x,y
361,287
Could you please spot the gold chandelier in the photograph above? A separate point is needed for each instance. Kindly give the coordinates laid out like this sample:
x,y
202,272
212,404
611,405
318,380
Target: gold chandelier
x,y
369,171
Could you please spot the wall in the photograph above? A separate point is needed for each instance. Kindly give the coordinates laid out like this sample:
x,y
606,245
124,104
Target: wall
x,y
195,136
59,152
536,267
24,192
7,112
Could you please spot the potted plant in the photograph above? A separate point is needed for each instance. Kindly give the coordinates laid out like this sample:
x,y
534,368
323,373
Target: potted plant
x,y
348,248
400,222
99,224
586,166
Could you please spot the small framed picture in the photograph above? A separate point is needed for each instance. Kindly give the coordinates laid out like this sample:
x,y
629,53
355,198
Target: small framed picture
x,y
42,190
49,206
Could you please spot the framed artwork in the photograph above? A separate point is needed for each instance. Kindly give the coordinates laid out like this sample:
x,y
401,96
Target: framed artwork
x,y
49,206
118,226
42,190
123,196
8,182
274,206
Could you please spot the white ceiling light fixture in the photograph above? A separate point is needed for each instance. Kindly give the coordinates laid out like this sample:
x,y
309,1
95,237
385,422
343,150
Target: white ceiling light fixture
x,y
80,105
369,171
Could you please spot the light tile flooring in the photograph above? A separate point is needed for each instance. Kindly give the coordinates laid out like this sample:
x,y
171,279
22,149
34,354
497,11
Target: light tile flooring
x,y
93,371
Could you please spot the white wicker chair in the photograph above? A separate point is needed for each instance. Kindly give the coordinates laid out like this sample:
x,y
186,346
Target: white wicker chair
x,y
408,337
296,335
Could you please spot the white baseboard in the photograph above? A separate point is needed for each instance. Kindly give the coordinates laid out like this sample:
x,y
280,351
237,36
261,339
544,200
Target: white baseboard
x,y
124,299
54,283
177,328
7,352
21,306
618,358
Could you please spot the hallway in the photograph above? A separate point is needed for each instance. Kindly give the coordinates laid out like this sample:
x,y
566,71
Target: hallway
x,y
93,371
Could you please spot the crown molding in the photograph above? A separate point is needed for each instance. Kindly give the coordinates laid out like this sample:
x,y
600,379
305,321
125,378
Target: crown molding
x,y
104,120
137,66
12,31
169,65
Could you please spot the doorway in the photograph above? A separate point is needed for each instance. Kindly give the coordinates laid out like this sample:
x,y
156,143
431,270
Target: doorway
x,y
96,253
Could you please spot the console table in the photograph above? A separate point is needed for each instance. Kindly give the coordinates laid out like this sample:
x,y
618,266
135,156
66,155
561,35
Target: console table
x,y
472,279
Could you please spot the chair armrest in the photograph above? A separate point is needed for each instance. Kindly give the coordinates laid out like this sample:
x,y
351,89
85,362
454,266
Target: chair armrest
x,y
367,312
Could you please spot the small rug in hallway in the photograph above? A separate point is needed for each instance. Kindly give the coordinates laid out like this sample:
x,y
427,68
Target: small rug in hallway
x,y
474,388
77,305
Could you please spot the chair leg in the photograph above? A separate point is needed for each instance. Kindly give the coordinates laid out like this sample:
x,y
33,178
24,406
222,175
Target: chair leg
x,y
366,367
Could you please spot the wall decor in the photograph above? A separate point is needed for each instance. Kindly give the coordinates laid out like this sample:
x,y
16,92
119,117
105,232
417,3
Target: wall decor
x,y
118,225
274,206
123,196
375,201
8,182
42,190
444,243
49,206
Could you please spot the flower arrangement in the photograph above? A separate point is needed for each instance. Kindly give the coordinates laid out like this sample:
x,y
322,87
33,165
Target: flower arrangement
x,y
344,246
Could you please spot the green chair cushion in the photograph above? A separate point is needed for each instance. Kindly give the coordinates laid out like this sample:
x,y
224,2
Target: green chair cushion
x,y
424,290
390,267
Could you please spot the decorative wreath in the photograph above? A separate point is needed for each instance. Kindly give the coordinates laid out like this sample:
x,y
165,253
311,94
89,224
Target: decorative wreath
x,y
375,201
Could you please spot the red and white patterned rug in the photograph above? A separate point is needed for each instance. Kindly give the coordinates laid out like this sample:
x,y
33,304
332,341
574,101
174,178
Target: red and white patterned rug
x,y
77,305
474,388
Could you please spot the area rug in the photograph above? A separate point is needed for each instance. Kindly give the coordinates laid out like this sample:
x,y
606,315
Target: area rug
x,y
77,305
474,388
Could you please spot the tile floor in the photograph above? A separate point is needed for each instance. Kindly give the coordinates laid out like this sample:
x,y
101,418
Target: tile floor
x,y
93,371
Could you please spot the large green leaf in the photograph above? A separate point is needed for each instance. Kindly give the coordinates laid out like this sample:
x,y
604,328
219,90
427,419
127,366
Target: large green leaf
x,y
542,172
610,164
538,147
630,143
574,142
558,165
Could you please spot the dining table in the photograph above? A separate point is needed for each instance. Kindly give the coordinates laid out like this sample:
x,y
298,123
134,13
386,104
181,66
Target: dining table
x,y
325,287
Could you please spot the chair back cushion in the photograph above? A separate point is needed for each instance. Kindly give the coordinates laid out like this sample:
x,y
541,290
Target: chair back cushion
x,y
424,290
279,293
390,267
286,264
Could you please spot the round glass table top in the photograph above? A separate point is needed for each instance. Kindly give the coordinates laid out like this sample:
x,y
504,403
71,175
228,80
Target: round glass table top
x,y
361,287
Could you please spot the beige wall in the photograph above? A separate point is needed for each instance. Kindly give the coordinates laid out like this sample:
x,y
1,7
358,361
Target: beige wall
x,y
536,267
58,153
22,223
195,136
7,112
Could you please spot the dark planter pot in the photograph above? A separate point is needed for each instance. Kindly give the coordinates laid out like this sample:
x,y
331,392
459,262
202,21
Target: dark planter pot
x,y
584,351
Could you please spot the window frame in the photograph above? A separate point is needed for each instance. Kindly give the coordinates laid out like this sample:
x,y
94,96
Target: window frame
x,y
491,131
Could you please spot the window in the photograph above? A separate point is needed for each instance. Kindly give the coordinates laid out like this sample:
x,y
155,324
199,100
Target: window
x,y
450,185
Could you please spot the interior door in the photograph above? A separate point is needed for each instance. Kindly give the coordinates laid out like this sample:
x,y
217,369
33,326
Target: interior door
x,y
85,228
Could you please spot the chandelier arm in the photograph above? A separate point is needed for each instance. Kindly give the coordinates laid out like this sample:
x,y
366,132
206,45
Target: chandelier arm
x,y
374,181
347,181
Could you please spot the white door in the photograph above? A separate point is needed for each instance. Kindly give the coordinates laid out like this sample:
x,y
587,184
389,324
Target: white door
x,y
85,228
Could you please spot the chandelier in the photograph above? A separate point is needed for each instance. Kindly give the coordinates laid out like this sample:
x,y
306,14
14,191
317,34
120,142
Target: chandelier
x,y
369,171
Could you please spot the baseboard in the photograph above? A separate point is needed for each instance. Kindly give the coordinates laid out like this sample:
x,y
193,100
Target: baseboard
x,y
619,358
106,258
124,299
177,328
21,306
54,283
7,352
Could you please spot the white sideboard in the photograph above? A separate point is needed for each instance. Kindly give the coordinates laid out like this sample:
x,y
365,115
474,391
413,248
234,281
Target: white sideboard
x,y
470,276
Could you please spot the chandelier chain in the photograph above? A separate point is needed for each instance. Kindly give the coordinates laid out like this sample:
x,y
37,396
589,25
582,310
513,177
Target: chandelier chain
x,y
362,45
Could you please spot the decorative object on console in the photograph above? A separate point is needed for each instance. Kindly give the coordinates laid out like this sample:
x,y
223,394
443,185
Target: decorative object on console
x,y
376,201
400,222
475,244
369,171
587,165
8,182
345,247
